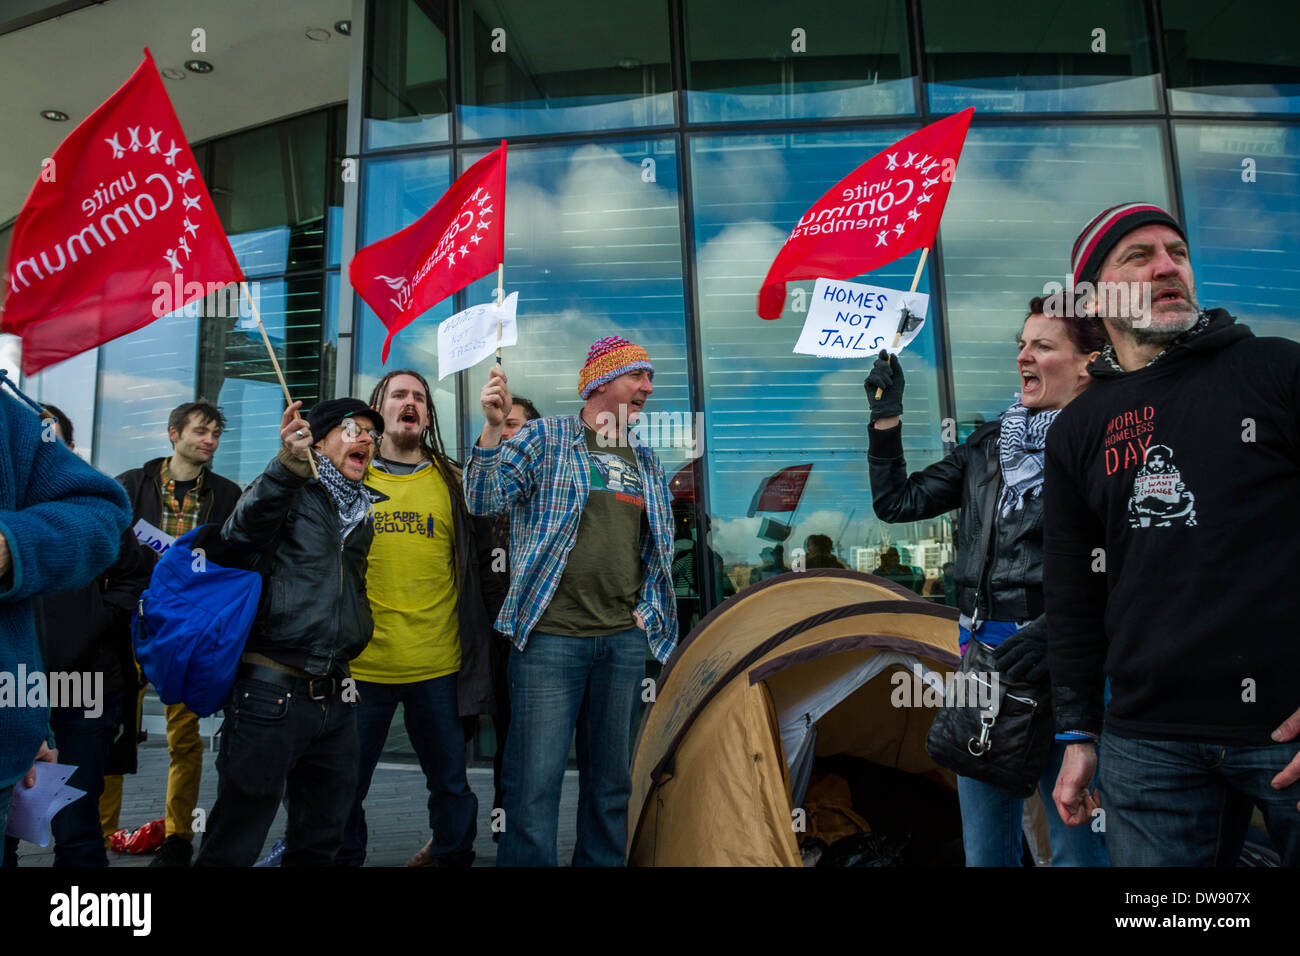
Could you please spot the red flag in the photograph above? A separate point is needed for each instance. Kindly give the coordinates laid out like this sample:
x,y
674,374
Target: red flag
x,y
682,484
119,224
782,491
884,209
460,239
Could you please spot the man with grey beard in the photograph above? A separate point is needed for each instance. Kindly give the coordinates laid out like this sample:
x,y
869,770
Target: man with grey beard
x,y
1183,454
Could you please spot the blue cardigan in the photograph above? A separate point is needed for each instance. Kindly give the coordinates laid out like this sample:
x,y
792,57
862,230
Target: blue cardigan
x,y
63,521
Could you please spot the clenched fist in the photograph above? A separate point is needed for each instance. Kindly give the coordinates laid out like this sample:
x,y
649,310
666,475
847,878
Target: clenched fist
x,y
495,399
295,433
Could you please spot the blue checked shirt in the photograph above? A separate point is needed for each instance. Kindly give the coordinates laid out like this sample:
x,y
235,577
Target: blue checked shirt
x,y
543,476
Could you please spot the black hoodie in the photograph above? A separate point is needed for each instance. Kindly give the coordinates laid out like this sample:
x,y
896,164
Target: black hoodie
x,y
1173,542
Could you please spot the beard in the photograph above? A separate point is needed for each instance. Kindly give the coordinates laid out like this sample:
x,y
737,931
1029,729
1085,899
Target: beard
x,y
1152,325
404,441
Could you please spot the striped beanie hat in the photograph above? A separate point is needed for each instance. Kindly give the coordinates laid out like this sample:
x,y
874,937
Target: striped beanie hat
x,y
607,359
1103,234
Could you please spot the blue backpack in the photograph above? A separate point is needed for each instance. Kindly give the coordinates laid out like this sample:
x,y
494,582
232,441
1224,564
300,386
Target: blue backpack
x,y
191,623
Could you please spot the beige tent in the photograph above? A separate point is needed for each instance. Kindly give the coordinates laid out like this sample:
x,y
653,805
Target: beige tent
x,y
795,667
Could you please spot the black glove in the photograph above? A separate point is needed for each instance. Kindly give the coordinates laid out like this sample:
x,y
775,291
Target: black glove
x,y
887,376
1022,657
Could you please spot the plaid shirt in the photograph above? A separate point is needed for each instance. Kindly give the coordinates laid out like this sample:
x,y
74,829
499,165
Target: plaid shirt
x,y
543,475
176,521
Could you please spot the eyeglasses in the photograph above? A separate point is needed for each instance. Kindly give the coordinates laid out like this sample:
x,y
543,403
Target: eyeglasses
x,y
353,431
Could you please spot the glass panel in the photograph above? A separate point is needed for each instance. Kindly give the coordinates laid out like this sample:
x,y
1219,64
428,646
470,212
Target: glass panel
x,y
769,409
852,59
142,377
70,385
334,212
236,372
1021,195
1009,56
1244,229
406,91
268,185
398,191
395,193
547,66
1233,56
593,249
329,336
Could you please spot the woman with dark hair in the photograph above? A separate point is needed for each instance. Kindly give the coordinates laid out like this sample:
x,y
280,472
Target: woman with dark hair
x,y
997,472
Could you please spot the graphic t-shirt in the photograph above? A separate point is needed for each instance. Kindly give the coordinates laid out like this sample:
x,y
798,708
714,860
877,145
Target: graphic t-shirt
x,y
410,581
602,578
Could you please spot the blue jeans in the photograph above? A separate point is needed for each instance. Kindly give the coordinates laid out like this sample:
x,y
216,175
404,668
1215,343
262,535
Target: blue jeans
x,y
434,726
559,684
1176,803
991,823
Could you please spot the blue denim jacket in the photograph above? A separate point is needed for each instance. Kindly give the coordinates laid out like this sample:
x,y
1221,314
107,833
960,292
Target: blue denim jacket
x,y
543,476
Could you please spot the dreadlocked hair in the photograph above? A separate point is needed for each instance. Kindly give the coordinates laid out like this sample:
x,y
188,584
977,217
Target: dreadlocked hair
x,y
431,438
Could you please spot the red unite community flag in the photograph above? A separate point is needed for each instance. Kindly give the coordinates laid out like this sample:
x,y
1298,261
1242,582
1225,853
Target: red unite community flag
x,y
461,239
781,491
118,213
884,209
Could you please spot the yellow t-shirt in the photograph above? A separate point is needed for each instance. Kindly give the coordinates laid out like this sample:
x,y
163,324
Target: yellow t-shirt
x,y
410,581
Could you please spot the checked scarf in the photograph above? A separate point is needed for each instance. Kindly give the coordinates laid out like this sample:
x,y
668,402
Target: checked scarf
x,y
351,498
1020,451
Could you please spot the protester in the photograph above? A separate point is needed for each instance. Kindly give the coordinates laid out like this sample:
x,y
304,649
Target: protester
x,y
997,477
290,722
1184,451
174,495
430,651
818,552
591,544
85,632
61,524
521,413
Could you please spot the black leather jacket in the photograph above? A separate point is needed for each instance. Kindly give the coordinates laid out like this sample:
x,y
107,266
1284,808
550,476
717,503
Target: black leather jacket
x,y
314,613
970,479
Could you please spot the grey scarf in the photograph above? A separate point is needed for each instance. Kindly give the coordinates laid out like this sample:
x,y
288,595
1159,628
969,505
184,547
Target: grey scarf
x,y
1202,321
1021,442
351,498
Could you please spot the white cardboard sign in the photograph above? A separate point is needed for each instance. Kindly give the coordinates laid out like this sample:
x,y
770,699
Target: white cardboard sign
x,y
469,337
851,320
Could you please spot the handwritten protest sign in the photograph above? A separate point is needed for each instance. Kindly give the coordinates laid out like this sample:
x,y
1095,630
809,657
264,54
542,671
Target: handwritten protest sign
x,y
852,320
469,337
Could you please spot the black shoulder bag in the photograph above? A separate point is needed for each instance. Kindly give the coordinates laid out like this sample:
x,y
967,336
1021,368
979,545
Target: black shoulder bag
x,y
1007,743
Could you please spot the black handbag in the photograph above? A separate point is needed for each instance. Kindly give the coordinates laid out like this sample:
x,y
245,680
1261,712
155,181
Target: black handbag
x,y
1005,745
1005,738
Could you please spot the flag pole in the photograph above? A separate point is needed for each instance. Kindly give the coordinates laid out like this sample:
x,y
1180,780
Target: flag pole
x,y
252,303
902,319
501,279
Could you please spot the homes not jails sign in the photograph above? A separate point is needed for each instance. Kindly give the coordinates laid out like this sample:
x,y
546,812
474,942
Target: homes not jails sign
x,y
852,320
469,337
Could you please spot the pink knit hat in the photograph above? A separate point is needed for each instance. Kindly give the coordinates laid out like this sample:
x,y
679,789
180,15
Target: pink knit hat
x,y
607,359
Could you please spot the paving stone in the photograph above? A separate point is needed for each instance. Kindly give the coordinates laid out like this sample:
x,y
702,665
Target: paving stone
x,y
396,810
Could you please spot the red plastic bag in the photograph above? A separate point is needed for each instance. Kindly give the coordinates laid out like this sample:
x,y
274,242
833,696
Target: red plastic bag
x,y
147,839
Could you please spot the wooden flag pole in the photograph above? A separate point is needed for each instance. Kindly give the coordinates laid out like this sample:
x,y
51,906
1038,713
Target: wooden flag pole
x,y
916,280
501,280
275,363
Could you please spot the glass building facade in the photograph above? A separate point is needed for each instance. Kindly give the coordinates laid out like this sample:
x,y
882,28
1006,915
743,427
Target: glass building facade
x,y
660,152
